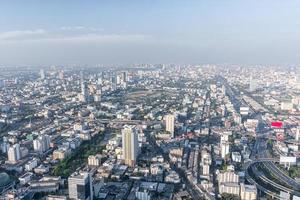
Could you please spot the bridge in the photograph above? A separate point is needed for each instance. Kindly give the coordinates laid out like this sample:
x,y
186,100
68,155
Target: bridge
x,y
259,160
128,121
268,163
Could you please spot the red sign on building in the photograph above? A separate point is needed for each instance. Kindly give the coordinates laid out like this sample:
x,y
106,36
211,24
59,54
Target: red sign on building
x,y
277,124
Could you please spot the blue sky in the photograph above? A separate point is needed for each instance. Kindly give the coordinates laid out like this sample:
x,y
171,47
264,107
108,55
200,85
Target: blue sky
x,y
35,32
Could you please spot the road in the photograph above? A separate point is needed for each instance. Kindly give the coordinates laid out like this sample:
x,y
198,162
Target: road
x,y
260,147
194,192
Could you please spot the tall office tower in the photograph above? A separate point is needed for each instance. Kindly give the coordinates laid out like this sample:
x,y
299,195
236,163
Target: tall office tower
x,y
124,77
14,153
224,149
297,136
113,82
41,144
61,74
42,74
253,84
84,88
169,120
205,170
99,80
80,186
130,145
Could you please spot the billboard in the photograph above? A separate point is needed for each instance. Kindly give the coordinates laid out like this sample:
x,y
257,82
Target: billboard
x,y
288,160
277,124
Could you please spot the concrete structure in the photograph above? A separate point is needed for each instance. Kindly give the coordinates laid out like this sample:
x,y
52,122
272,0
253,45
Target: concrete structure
x,y
170,120
130,146
94,160
41,144
14,153
248,192
80,186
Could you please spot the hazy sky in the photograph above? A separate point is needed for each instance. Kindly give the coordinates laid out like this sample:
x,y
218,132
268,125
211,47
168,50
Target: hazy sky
x,y
40,32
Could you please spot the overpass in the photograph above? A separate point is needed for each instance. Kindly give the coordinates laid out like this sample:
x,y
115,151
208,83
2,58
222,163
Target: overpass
x,y
127,121
269,163
259,160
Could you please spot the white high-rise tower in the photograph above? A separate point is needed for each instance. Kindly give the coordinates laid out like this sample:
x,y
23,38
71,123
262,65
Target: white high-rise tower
x,y
169,120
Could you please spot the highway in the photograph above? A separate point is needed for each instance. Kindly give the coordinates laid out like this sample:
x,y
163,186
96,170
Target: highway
x,y
260,154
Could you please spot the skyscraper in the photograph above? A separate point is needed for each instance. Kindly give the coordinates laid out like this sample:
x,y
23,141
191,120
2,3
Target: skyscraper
x,y
14,153
42,143
80,186
42,74
297,136
113,82
130,145
224,149
252,84
169,120
124,77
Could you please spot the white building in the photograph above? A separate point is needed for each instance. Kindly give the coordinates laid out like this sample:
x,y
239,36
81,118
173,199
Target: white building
x,y
143,194
25,178
94,160
41,144
230,188
236,157
224,149
170,120
205,170
228,177
14,153
80,186
248,192
31,164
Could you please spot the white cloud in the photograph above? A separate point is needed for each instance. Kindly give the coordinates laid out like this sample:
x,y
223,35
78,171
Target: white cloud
x,y
70,35
80,28
101,38
21,34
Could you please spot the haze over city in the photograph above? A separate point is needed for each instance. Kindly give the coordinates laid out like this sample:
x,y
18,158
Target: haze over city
x,y
120,32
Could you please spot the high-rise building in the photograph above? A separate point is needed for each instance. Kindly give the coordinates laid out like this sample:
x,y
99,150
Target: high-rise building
x,y
253,84
84,96
41,144
14,153
297,136
228,176
80,186
169,120
130,145
42,74
61,74
205,170
248,192
224,149
113,82
124,77
83,88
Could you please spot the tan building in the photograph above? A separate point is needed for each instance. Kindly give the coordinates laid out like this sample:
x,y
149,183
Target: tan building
x,y
228,177
248,192
170,120
94,160
229,188
130,145
61,154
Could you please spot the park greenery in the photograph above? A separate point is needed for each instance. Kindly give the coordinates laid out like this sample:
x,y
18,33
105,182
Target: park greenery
x,y
79,156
